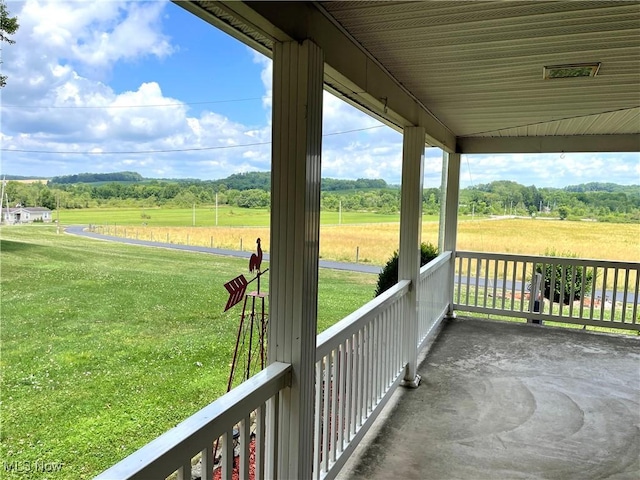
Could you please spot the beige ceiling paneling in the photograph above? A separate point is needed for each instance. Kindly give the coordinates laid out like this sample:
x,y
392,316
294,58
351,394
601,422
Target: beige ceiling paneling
x,y
477,66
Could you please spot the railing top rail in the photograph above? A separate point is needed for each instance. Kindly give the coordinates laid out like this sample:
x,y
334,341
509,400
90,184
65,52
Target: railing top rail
x,y
546,258
157,458
334,335
435,263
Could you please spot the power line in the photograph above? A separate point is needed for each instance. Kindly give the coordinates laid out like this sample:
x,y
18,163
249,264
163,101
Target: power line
x,y
172,150
131,152
175,104
354,130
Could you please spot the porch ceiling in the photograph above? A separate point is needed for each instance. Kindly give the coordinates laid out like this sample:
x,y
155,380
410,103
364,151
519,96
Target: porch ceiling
x,y
471,72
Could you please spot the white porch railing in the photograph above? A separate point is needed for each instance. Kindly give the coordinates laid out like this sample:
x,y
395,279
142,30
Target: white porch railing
x,y
436,292
173,451
498,284
359,362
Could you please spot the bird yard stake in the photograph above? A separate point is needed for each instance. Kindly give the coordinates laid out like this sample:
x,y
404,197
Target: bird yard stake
x,y
242,355
237,290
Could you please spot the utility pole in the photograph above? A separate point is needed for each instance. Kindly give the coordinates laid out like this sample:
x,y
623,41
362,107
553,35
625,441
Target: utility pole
x,y
4,182
194,214
216,209
340,213
58,213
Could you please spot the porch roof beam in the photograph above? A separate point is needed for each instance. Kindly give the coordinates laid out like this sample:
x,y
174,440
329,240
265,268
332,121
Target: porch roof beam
x,y
350,72
550,144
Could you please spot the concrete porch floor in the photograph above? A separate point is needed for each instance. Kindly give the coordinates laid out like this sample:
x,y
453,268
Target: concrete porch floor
x,y
501,400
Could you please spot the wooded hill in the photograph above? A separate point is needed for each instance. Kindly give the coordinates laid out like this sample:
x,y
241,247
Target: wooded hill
x,y
601,201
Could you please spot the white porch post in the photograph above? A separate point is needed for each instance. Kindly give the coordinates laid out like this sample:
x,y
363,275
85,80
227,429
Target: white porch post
x,y
295,231
413,145
449,224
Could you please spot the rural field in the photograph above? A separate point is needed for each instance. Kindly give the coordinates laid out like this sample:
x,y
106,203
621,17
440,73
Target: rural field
x,y
374,243
372,236
202,216
105,346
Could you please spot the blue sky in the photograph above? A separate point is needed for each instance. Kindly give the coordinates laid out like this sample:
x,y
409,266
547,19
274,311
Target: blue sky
x,y
143,78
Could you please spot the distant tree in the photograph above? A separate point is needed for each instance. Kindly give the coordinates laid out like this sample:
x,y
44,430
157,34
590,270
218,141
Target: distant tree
x,y
253,198
98,177
563,212
246,181
47,199
8,26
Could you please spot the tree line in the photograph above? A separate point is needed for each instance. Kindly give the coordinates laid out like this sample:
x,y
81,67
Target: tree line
x,y
97,177
601,201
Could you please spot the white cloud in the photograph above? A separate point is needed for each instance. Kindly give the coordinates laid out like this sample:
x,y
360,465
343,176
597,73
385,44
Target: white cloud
x,y
94,33
374,153
551,170
49,104
266,76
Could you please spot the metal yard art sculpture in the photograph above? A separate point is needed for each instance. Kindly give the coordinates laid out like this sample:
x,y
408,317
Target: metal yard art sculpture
x,y
249,355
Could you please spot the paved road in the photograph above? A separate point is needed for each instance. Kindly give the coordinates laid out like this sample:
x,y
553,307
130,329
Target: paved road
x,y
80,230
351,267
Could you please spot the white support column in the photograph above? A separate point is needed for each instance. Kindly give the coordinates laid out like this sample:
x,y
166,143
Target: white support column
x,y
413,146
443,200
451,201
449,224
295,232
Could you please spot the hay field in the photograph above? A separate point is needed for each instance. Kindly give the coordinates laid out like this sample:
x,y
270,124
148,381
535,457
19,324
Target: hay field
x,y
30,180
374,243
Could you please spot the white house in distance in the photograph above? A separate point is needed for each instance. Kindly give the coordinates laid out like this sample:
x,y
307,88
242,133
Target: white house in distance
x,y
26,215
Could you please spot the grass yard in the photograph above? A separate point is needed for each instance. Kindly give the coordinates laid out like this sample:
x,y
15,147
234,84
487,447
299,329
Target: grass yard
x,y
106,346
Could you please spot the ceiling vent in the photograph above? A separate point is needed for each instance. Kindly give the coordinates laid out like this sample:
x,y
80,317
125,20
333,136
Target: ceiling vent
x,y
570,71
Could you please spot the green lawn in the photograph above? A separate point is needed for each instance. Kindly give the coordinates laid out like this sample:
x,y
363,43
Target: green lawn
x,y
205,216
105,346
